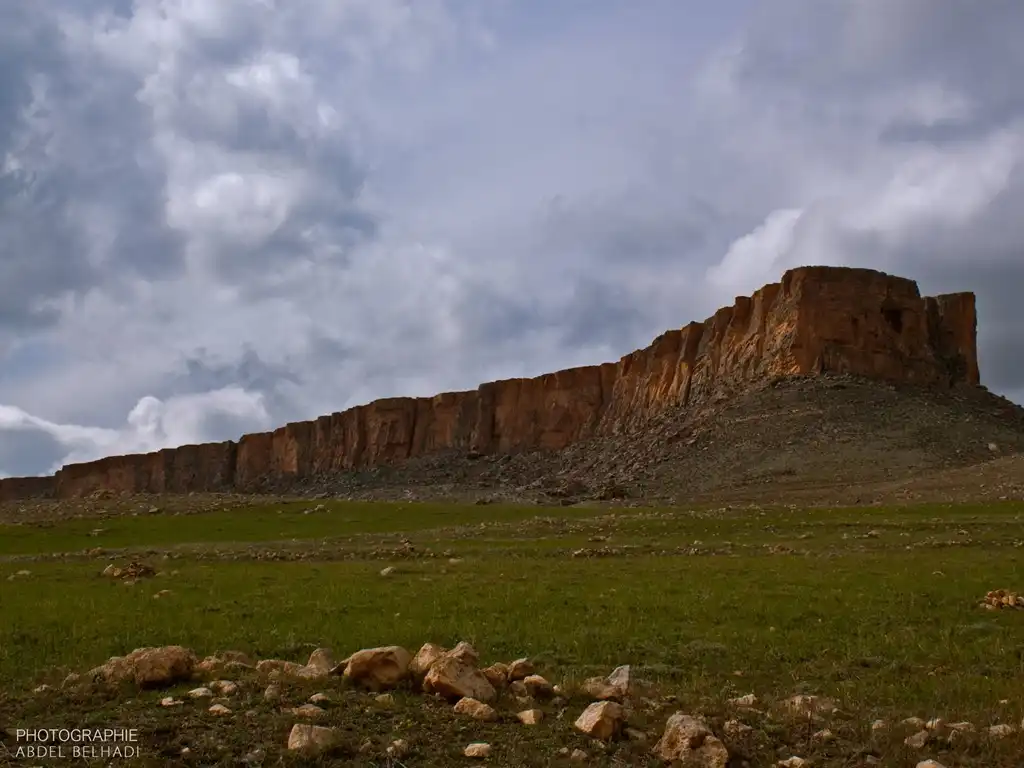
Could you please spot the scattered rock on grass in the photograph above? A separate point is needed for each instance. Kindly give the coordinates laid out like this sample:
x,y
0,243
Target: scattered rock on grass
x,y
750,700
918,740
602,720
476,710
321,660
398,748
424,659
311,738
1002,599
618,686
149,667
454,676
689,739
133,571
497,675
537,687
530,716
1000,731
519,669
308,710
809,706
224,687
377,668
478,749
278,668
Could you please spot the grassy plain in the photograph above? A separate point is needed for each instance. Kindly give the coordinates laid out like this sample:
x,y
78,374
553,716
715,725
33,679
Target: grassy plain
x,y
874,607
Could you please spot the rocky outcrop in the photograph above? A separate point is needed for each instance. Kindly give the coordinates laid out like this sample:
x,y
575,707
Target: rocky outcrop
x,y
816,320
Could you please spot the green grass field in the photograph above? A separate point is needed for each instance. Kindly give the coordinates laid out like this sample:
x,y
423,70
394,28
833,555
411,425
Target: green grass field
x,y
877,608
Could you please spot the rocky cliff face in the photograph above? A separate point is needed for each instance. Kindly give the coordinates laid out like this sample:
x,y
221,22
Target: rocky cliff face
x,y
816,320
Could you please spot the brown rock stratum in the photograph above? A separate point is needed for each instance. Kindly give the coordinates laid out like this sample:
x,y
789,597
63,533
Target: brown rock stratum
x,y
816,321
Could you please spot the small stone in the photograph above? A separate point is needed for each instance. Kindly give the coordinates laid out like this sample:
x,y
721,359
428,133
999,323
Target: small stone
x,y
810,705
823,736
387,571
917,740
530,716
224,687
930,764
601,720
311,738
272,693
149,667
735,728
201,693
519,669
321,660
578,756
425,658
308,710
479,749
750,700
257,756
377,668
497,675
689,739
1000,731
879,725
538,687
170,701
398,748
465,653
914,722
319,698
792,762
475,709
385,699
219,709
279,668
454,676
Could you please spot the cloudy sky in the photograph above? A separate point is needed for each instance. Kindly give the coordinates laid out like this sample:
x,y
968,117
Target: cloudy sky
x,y
216,217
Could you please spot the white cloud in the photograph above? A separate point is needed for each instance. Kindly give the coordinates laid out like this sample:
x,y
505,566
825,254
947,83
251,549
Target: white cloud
x,y
756,256
150,426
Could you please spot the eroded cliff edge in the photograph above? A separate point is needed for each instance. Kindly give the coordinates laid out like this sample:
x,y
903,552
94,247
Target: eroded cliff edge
x,y
816,320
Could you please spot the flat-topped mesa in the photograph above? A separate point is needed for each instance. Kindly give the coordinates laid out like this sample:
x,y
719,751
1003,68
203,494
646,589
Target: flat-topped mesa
x,y
816,320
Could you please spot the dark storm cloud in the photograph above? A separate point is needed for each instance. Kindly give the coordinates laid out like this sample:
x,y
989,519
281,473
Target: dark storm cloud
x,y
940,81
28,452
269,211
71,156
